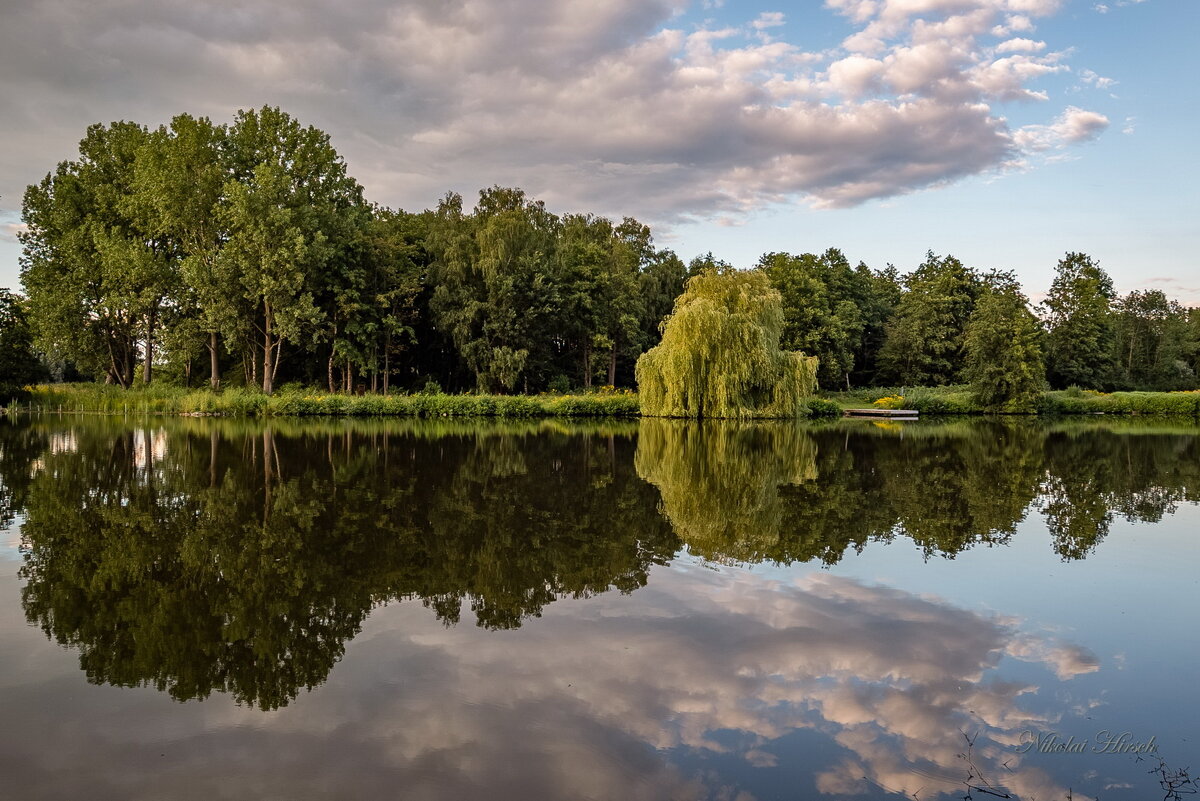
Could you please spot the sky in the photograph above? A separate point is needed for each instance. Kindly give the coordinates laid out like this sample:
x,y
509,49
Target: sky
x,y
1004,132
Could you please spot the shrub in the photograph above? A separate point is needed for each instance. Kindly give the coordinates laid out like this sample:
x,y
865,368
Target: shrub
x,y
819,407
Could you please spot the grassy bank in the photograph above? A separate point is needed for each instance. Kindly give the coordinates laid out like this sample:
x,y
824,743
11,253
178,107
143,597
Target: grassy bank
x,y
297,402
958,400
300,402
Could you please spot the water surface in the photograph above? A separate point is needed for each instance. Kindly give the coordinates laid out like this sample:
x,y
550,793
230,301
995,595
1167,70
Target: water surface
x,y
405,609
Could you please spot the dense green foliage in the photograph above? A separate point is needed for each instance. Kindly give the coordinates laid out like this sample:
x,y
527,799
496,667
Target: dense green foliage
x,y
1004,353
832,311
925,342
19,365
244,254
1079,341
720,356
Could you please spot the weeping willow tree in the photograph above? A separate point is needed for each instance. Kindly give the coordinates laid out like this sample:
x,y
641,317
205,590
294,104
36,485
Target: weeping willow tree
x,y
720,482
720,356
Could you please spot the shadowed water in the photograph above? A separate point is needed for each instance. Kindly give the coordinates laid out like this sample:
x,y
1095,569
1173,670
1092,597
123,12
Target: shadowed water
x,y
414,609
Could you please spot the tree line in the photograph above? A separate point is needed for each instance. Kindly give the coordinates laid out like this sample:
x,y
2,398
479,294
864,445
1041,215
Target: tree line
x,y
244,253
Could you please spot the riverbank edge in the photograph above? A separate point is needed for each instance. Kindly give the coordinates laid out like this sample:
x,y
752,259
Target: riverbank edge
x,y
295,402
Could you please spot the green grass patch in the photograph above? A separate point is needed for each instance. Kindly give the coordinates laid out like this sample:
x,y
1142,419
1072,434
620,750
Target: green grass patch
x,y
293,401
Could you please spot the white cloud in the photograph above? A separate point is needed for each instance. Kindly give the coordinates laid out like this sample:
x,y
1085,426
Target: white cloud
x,y
1020,46
611,107
1073,126
1091,78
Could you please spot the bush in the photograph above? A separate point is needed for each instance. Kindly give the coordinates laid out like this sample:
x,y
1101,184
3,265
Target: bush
x,y
819,407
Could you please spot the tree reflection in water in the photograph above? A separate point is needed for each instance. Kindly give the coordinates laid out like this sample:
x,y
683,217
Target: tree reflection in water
x,y
239,557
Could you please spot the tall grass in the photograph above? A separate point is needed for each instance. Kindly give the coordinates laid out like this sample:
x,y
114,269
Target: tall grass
x,y
959,400
294,401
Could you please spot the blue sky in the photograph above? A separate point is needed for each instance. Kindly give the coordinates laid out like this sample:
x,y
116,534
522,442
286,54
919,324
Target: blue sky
x,y
1006,132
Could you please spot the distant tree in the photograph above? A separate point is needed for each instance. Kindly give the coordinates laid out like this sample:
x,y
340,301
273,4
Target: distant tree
x,y
1079,324
880,295
492,287
659,284
924,343
19,365
1153,342
823,303
1003,348
720,356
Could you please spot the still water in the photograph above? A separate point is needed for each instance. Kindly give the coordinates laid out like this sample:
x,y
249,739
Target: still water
x,y
214,609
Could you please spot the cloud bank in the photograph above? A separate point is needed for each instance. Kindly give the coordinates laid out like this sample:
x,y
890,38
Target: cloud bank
x,y
621,107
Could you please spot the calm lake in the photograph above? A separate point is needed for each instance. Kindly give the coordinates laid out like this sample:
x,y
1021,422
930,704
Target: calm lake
x,y
392,609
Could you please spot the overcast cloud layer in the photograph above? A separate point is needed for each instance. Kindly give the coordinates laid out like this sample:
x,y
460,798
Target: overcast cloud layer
x,y
617,107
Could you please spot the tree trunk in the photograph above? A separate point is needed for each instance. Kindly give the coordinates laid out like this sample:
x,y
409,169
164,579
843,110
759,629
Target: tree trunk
x,y
147,369
268,346
127,372
329,372
612,367
214,363
587,365
387,347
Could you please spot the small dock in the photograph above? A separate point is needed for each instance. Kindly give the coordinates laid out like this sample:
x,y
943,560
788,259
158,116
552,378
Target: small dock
x,y
889,414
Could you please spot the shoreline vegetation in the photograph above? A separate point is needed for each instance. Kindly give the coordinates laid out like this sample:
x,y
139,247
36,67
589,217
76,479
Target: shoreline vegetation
x,y
295,401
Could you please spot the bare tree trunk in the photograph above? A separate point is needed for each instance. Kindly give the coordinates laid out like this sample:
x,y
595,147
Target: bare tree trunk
x,y
587,365
387,364
612,367
268,346
127,376
148,367
214,364
277,360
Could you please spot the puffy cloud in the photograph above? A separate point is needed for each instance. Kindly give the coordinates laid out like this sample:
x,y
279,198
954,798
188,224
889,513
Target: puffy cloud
x,y
618,107
1091,78
1073,126
1020,46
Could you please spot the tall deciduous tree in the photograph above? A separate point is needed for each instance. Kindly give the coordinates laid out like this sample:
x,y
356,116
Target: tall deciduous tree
x,y
924,344
493,287
19,365
824,301
1153,342
1079,323
179,177
95,268
1003,348
289,210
